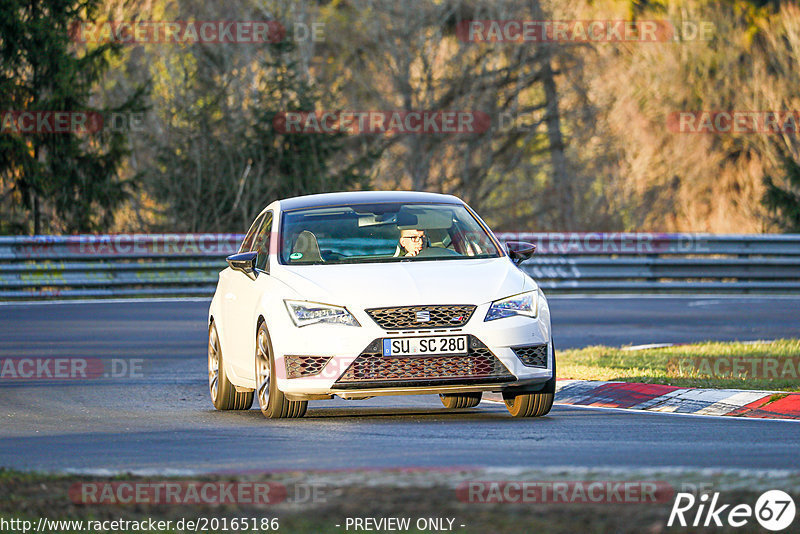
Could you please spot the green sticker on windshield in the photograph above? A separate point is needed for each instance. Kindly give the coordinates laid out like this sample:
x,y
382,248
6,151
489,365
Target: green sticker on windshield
x,y
295,255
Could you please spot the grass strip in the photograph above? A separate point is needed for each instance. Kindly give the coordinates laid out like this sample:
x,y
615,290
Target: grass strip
x,y
763,365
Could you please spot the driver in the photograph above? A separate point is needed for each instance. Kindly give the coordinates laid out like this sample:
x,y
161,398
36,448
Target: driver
x,y
411,242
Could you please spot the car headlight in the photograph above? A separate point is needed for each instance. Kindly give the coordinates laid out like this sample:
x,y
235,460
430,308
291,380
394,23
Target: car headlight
x,y
304,313
523,304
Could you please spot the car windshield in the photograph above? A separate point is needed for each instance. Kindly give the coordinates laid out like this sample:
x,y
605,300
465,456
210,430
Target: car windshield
x,y
385,232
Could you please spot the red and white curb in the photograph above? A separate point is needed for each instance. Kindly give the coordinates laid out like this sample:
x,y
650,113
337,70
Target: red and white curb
x,y
673,399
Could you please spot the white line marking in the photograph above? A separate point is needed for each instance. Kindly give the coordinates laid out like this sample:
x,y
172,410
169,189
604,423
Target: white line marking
x,y
148,472
648,346
649,412
104,301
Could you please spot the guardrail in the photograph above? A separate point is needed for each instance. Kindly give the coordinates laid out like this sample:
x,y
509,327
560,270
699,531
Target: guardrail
x,y
135,265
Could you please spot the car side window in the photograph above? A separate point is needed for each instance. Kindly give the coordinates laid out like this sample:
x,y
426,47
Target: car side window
x,y
247,243
261,243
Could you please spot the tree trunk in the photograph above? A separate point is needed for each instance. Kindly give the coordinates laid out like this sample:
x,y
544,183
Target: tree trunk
x,y
37,222
562,181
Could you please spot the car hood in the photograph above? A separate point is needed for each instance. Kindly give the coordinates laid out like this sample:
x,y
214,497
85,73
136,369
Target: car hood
x,y
407,283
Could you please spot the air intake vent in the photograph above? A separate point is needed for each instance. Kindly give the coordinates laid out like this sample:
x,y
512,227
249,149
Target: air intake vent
x,y
532,355
372,368
300,366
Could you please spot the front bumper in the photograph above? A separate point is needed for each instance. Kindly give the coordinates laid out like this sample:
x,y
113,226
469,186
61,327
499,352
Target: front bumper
x,y
317,361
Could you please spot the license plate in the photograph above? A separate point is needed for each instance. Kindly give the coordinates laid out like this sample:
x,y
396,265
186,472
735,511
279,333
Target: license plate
x,y
414,346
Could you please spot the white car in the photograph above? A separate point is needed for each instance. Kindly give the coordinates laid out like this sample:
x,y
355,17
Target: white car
x,y
377,293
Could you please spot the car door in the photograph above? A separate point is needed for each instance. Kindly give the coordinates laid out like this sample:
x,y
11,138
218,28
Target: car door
x,y
241,298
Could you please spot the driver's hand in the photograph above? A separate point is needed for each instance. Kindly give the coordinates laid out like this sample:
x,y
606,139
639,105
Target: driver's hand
x,y
412,243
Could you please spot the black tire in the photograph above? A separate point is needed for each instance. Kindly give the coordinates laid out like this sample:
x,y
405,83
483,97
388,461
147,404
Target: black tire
x,y
271,400
535,404
223,394
460,400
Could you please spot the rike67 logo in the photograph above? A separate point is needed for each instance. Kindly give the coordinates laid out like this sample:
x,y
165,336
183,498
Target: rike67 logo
x,y
774,510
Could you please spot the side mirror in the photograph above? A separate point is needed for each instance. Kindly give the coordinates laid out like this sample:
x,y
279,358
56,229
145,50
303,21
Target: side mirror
x,y
520,251
244,262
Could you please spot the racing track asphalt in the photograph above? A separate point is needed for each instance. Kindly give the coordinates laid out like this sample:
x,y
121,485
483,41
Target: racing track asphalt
x,y
163,420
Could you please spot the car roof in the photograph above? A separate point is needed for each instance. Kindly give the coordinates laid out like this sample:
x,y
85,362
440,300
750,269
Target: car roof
x,y
364,197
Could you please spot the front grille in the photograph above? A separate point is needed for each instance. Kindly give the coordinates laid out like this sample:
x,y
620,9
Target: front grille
x,y
373,368
300,366
532,355
434,316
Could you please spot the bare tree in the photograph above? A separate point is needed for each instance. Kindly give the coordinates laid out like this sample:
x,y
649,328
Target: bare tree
x,y
407,55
